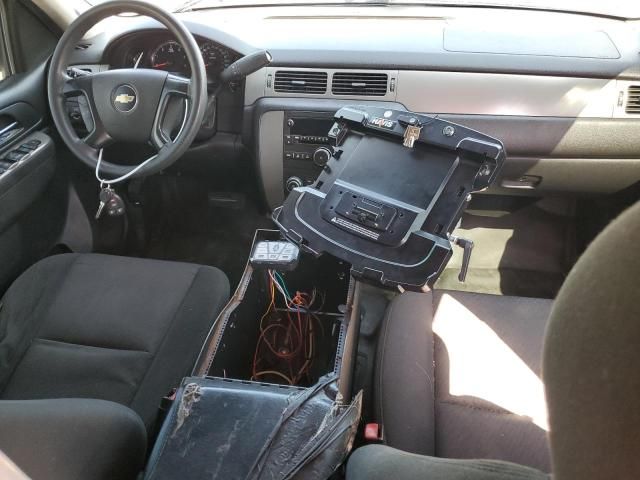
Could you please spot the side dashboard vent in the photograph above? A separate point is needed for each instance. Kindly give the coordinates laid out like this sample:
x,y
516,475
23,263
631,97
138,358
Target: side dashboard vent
x,y
82,46
633,100
298,81
360,84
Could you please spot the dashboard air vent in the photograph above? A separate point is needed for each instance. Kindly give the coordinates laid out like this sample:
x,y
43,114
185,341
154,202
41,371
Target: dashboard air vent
x,y
296,81
633,100
360,84
82,46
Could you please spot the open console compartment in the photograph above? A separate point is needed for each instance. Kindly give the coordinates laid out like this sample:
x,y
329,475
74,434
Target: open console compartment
x,y
261,337
280,425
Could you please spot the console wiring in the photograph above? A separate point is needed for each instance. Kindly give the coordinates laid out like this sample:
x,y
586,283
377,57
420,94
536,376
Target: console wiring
x,y
287,336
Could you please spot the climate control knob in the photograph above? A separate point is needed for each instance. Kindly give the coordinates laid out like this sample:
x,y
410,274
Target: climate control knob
x,y
321,156
292,182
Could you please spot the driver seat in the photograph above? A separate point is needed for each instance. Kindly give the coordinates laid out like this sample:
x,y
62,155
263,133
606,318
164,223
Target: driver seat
x,y
89,345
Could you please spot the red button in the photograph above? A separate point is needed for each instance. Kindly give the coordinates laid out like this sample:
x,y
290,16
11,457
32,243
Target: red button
x,y
372,432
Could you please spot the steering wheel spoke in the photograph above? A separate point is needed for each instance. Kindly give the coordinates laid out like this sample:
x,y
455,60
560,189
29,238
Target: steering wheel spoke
x,y
74,86
176,85
81,87
98,137
172,113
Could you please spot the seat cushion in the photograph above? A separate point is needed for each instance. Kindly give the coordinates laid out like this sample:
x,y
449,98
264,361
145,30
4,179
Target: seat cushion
x,y
377,462
473,389
592,359
113,328
72,439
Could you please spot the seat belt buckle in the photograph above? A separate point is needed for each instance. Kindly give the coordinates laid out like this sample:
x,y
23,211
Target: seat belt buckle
x,y
373,432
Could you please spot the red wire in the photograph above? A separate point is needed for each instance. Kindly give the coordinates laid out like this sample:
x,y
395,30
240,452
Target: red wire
x,y
297,337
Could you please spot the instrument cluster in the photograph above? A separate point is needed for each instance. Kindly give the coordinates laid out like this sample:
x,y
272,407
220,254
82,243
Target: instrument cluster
x,y
164,53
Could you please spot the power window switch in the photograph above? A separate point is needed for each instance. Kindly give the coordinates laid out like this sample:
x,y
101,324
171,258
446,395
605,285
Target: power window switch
x,y
14,156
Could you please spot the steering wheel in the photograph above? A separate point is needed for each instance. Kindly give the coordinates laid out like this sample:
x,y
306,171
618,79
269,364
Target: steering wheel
x,y
127,105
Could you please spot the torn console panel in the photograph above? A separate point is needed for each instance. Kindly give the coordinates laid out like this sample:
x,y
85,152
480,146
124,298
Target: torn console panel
x,y
231,429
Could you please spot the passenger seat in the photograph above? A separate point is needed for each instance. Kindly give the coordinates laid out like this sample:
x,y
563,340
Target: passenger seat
x,y
458,376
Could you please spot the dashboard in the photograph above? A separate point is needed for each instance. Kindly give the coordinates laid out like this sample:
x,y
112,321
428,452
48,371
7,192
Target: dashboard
x,y
158,50
561,90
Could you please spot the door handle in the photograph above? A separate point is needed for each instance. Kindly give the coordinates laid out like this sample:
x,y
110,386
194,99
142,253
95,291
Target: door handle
x,y
8,132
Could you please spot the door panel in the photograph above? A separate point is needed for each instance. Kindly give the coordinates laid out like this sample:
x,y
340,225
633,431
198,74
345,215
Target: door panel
x,y
32,187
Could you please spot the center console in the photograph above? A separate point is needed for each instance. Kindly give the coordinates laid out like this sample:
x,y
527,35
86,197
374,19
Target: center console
x,y
270,395
371,195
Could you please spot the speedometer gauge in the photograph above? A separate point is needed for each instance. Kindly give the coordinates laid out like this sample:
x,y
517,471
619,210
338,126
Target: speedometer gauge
x,y
215,57
170,57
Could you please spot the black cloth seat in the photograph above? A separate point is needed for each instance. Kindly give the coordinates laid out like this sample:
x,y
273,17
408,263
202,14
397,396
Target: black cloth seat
x,y
117,329
590,372
458,376
379,462
73,438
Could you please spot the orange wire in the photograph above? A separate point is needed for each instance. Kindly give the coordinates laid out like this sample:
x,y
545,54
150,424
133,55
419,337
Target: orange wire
x,y
302,330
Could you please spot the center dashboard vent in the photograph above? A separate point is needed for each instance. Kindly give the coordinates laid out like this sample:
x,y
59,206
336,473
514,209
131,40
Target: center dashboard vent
x,y
633,100
294,81
360,84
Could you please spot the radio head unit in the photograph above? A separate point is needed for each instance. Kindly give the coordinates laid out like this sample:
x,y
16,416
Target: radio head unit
x,y
306,147
391,193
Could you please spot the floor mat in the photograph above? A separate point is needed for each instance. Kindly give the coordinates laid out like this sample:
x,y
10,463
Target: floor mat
x,y
525,250
522,246
220,237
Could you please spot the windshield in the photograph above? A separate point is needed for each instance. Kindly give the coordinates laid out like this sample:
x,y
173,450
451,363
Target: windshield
x,y
616,8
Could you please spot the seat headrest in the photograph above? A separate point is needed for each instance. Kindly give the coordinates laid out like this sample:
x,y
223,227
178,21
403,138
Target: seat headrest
x,y
591,365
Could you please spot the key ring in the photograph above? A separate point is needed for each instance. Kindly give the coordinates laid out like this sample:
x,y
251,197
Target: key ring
x,y
121,178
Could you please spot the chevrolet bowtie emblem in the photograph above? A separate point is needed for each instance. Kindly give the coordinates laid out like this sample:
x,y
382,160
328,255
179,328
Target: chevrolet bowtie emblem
x,y
124,98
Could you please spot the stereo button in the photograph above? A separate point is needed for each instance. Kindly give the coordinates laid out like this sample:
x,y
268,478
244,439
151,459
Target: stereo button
x,y
292,182
321,156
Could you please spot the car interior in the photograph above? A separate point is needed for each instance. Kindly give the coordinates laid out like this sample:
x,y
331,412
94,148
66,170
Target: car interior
x,y
329,240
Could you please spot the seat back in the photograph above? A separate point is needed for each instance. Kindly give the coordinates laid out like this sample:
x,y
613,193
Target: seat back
x,y
591,364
